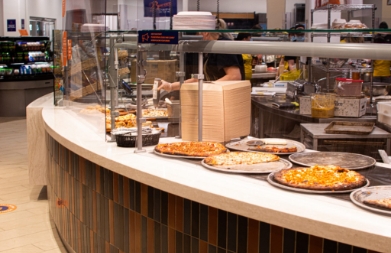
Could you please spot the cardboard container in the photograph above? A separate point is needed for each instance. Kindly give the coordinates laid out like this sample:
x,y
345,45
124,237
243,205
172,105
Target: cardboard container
x,y
226,110
350,107
164,69
305,105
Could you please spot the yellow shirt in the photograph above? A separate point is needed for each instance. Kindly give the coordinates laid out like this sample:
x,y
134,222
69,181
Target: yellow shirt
x,y
381,68
248,69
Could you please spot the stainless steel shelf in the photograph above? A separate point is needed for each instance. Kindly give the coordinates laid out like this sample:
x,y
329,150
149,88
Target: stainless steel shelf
x,y
345,7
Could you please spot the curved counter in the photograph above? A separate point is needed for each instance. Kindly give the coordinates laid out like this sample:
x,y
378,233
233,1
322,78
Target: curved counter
x,y
106,198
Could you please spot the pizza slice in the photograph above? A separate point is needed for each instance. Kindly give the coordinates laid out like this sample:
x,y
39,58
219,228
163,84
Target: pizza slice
x,y
385,203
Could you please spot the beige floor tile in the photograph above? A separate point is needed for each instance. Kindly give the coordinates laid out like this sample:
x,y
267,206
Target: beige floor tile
x,y
14,179
12,189
9,183
27,239
34,219
40,210
27,248
15,195
32,205
25,230
15,215
9,174
57,250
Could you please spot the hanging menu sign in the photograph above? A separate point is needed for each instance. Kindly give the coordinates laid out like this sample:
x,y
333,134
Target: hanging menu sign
x,y
158,37
64,49
64,3
69,50
161,8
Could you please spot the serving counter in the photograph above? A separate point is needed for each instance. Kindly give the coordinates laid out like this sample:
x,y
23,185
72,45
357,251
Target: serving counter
x,y
104,198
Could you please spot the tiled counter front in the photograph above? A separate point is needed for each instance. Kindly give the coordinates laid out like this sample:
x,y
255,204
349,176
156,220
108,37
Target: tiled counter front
x,y
97,210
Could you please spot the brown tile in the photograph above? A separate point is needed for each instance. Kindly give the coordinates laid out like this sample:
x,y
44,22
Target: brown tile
x,y
126,193
111,220
171,211
212,231
82,170
203,247
137,232
276,239
150,236
94,212
115,188
315,244
132,232
97,179
92,248
253,236
171,240
107,247
144,200
179,214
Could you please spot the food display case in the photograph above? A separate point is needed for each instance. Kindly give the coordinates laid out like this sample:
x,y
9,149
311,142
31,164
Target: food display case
x,y
143,201
26,73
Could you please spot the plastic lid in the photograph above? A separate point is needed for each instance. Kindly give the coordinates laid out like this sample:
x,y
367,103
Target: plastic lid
x,y
348,80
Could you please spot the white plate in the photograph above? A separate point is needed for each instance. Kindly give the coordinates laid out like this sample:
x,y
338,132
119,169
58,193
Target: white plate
x,y
252,169
270,179
375,192
242,146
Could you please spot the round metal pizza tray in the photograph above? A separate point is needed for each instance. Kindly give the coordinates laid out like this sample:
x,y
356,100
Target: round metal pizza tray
x,y
177,156
242,145
253,168
349,161
270,179
374,192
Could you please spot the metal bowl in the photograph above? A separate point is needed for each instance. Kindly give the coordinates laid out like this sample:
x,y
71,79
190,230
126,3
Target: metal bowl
x,y
379,89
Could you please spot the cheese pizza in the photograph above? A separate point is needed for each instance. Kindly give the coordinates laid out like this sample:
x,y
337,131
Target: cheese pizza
x,y
191,149
322,178
384,203
240,158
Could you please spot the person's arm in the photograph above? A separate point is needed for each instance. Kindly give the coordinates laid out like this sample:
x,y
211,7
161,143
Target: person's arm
x,y
231,73
174,86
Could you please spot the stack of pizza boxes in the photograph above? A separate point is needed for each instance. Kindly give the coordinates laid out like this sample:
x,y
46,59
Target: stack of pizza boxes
x,y
226,110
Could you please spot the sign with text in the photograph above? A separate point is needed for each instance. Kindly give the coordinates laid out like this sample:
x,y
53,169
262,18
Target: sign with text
x,y
63,8
161,7
64,49
11,25
158,37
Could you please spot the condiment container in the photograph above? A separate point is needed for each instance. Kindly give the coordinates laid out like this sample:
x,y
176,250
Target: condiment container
x,y
322,105
348,87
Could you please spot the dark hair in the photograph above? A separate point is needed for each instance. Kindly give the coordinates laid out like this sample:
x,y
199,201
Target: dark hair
x,y
242,36
383,25
299,26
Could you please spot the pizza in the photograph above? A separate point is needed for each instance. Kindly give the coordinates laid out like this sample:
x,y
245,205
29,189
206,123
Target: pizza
x,y
148,113
274,149
384,203
193,148
240,158
321,178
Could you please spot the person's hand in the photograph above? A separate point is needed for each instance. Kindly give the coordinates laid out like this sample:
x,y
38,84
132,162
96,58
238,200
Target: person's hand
x,y
165,86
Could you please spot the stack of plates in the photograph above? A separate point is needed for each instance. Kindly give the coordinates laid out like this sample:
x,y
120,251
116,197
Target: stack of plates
x,y
192,20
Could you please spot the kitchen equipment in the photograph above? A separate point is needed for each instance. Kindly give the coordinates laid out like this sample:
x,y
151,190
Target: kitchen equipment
x,y
348,87
293,89
260,68
322,105
379,89
310,88
173,109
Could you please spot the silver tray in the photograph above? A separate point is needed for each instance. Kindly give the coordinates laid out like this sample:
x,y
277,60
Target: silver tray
x,y
270,179
374,192
253,168
349,161
178,156
242,146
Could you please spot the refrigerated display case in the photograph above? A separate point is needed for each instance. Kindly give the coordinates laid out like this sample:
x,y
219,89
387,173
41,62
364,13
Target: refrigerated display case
x,y
26,73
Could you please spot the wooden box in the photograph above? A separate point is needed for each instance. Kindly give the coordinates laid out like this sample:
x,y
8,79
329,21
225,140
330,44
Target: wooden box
x,y
350,107
226,110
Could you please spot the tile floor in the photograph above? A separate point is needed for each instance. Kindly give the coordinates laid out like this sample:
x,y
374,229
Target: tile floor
x,y
28,228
